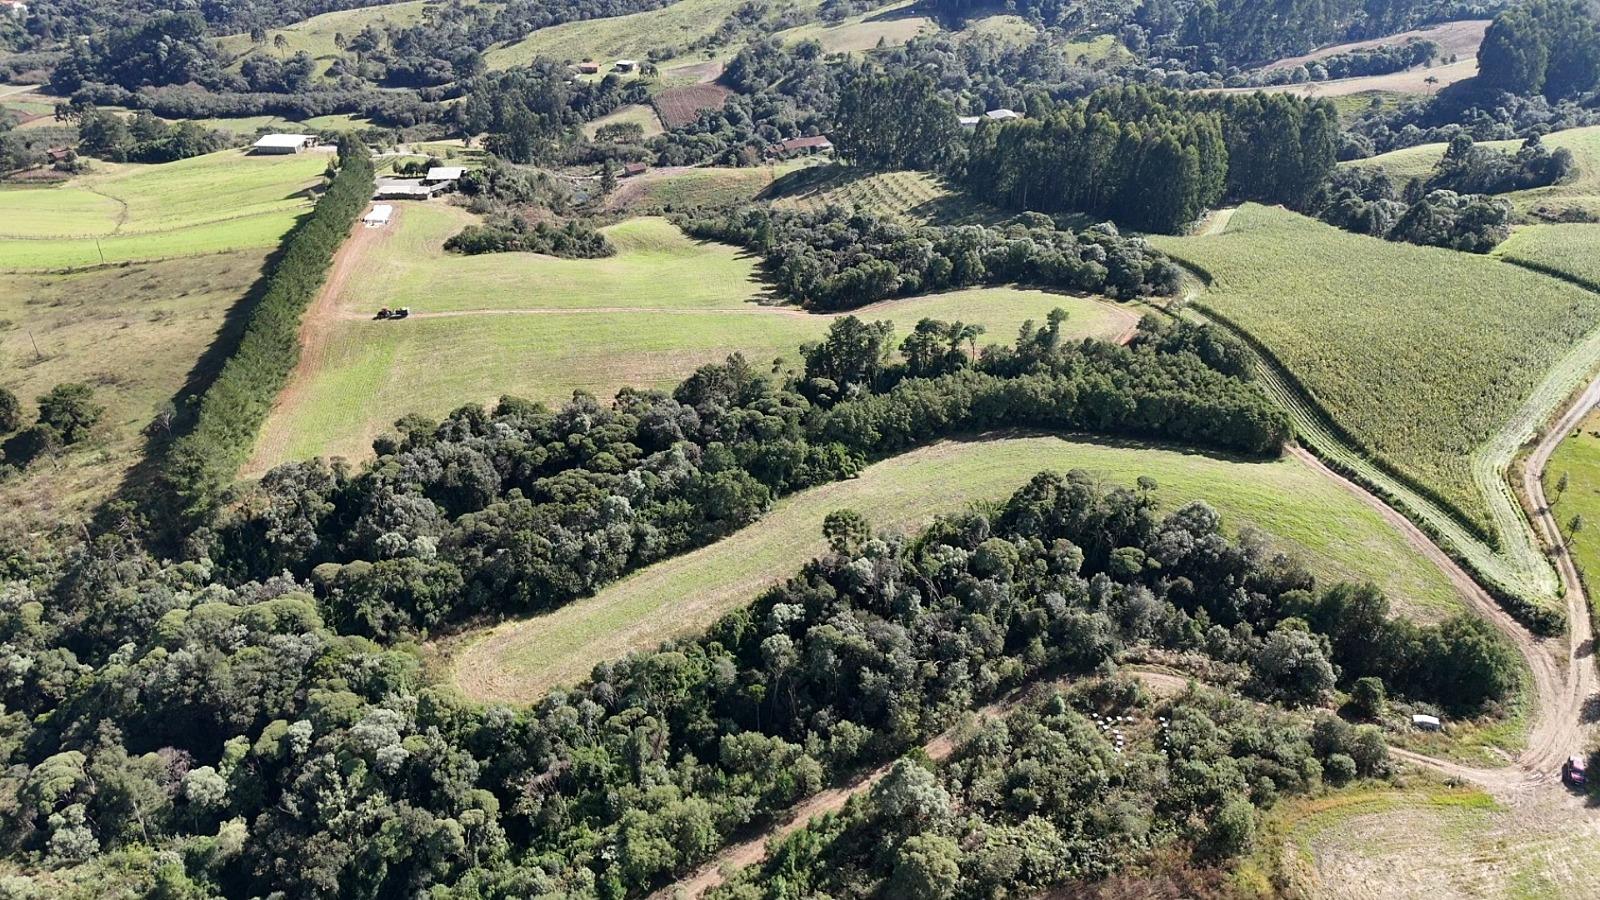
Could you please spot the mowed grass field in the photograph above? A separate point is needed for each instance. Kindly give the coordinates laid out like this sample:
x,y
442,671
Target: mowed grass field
x,y
1582,193
541,328
913,197
1422,355
1578,459
223,201
1424,842
682,188
1306,514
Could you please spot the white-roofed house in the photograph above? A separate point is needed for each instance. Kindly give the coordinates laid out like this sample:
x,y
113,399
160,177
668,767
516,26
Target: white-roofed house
x,y
444,173
284,143
1001,115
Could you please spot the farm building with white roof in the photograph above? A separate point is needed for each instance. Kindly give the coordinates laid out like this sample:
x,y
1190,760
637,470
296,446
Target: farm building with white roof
x,y
284,143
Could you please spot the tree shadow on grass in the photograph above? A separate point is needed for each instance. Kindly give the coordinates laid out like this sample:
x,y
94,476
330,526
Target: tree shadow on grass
x,y
141,486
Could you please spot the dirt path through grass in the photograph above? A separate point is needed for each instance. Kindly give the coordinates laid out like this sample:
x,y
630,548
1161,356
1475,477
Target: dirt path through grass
x,y
319,320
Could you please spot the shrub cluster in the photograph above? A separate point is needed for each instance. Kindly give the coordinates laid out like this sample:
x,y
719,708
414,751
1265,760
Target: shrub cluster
x,y
506,234
1380,60
1467,168
200,465
1365,202
840,259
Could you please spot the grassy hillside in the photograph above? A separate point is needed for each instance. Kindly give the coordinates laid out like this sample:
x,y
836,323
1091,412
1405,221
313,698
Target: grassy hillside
x,y
542,327
1306,514
669,29
316,34
223,201
1583,193
638,114
1420,354
915,197
136,334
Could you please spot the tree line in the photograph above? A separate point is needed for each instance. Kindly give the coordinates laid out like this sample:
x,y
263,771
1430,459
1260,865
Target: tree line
x,y
840,259
201,464
1155,160
160,707
521,509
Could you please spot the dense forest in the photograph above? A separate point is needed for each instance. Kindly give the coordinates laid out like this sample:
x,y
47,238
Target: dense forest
x,y
839,259
242,726
1155,160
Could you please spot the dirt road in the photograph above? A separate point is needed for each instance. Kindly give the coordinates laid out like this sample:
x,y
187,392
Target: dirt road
x,y
754,850
315,327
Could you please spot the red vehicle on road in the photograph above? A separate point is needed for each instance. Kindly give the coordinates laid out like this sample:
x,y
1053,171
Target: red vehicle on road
x,y
1572,772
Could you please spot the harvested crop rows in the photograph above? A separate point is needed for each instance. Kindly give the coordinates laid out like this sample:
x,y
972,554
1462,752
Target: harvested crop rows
x,y
680,106
913,197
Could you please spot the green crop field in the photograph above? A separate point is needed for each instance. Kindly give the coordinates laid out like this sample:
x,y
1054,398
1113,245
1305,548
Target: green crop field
x,y
541,327
223,201
913,197
1306,514
1422,355
316,35
710,186
1582,193
1568,251
135,334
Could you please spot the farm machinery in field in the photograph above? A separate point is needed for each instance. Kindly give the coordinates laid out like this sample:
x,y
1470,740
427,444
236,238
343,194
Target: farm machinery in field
x,y
399,312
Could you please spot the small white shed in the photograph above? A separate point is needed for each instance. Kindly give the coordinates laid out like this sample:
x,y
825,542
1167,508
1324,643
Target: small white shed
x,y
378,216
1426,723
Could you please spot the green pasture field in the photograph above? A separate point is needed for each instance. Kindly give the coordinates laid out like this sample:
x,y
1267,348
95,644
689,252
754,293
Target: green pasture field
x,y
540,327
638,114
134,333
1578,458
914,197
1422,355
1582,193
632,36
222,201
316,34
1305,513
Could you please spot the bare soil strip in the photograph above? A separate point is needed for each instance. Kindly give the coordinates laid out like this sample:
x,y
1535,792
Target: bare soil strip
x,y
318,321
